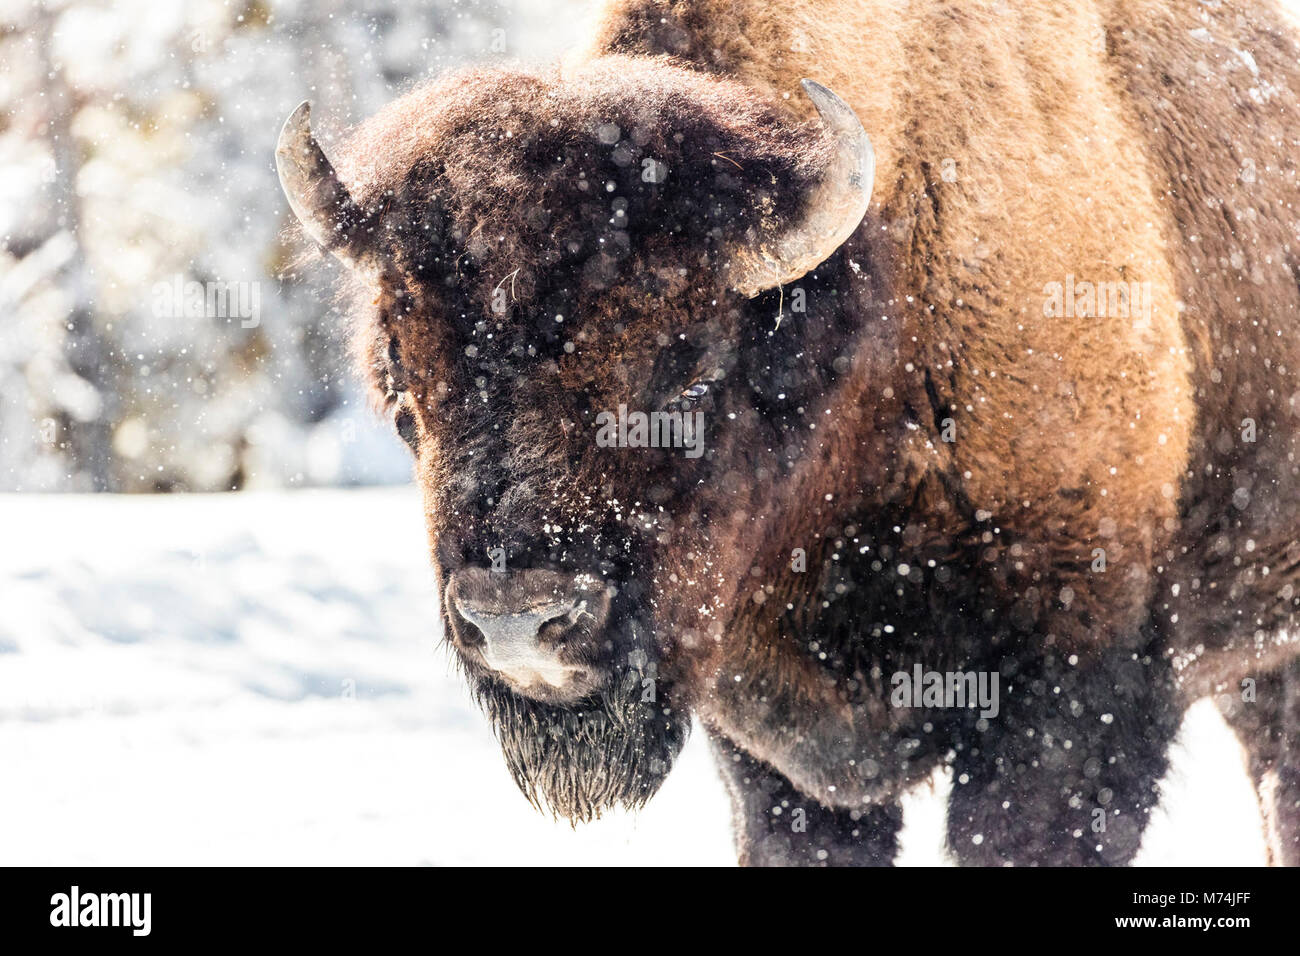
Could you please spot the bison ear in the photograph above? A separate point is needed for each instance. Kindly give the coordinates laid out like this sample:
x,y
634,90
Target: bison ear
x,y
833,208
318,198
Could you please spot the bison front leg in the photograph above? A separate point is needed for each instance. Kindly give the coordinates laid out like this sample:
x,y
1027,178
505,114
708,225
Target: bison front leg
x,y
777,825
1067,772
1265,713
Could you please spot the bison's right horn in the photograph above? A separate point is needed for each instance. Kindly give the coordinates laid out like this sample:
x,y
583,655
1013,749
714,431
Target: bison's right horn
x,y
834,208
316,195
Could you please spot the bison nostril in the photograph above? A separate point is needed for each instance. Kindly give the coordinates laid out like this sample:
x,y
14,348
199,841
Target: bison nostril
x,y
467,633
555,626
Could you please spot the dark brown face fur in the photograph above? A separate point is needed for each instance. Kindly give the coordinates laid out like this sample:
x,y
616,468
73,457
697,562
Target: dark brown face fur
x,y
560,250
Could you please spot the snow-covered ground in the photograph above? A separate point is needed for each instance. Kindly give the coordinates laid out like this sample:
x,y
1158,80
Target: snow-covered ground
x,y
257,678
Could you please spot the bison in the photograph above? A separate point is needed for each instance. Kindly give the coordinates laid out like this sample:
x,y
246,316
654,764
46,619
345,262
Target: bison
x,y
815,415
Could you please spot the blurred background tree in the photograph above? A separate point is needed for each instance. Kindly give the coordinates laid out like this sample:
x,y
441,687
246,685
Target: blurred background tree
x,y
136,141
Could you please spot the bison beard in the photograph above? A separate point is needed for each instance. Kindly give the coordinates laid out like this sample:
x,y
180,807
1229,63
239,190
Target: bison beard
x,y
612,749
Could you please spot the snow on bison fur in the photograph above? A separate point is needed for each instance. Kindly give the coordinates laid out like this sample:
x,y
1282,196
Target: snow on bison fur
x,y
1006,392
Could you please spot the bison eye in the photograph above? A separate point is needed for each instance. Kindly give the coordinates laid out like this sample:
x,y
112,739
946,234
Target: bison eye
x,y
692,397
405,422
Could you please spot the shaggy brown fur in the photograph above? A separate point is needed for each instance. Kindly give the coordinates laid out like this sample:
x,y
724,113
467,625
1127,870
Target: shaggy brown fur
x,y
1018,145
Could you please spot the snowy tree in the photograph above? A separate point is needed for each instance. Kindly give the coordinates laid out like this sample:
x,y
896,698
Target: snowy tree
x,y
154,337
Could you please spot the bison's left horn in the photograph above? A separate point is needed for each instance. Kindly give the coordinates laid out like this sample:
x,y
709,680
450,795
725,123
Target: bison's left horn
x,y
833,209
316,195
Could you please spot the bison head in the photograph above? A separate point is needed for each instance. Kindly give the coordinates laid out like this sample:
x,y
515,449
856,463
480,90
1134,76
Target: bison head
x,y
555,281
